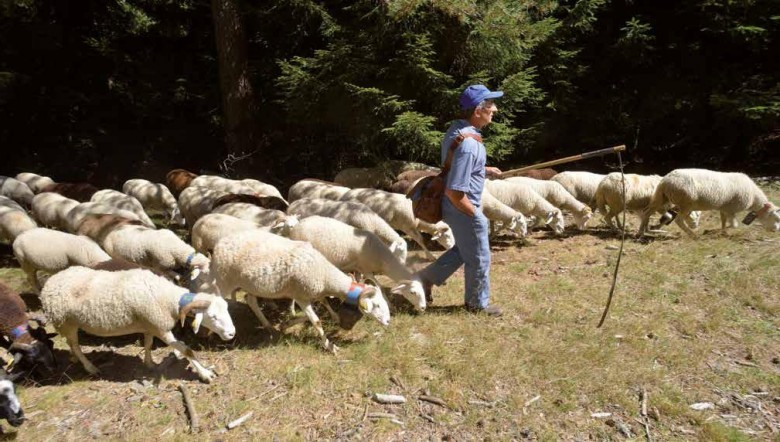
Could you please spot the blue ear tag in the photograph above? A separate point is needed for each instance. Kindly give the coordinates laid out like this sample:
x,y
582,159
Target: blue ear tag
x,y
19,331
189,259
354,293
186,299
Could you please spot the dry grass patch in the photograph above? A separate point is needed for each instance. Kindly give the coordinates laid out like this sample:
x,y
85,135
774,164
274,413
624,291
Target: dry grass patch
x,y
692,321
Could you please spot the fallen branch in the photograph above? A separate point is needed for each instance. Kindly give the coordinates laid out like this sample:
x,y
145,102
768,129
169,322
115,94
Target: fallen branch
x,y
382,416
643,412
190,408
389,398
433,400
482,403
239,421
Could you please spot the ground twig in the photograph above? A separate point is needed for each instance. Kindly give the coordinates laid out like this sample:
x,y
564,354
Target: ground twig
x,y
239,421
190,408
643,412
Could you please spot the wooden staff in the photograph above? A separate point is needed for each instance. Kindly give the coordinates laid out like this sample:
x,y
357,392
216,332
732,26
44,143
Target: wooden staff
x,y
582,156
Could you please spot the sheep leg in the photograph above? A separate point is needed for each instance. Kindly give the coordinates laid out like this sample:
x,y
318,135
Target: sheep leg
x,y
148,361
315,321
72,337
252,301
204,373
680,220
32,277
333,314
415,235
724,221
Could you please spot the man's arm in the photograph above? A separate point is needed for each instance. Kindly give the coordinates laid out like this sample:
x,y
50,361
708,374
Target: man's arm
x,y
461,201
493,172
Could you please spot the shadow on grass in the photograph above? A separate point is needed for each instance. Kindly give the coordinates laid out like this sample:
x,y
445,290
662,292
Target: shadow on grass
x,y
7,258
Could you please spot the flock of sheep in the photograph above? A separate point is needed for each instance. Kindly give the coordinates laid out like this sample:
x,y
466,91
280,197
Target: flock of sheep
x,y
114,273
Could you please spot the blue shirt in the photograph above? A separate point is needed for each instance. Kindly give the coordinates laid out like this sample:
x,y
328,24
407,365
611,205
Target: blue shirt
x,y
467,172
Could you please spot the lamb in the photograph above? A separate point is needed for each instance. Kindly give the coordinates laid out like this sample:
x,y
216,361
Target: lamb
x,y
31,347
52,251
314,189
639,191
10,407
16,190
265,202
495,210
269,266
35,182
154,196
81,192
179,179
559,197
701,189
51,209
357,250
13,220
356,215
160,250
77,213
526,201
211,228
396,210
124,202
106,303
582,185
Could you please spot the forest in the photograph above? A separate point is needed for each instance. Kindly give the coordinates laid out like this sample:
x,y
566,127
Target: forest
x,y
103,91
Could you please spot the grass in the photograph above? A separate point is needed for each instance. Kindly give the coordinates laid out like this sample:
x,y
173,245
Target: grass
x,y
692,321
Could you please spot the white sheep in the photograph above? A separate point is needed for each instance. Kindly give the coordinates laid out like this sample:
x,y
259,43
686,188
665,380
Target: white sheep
x,y
700,189
52,251
211,228
16,190
510,219
358,250
104,303
526,201
13,219
396,210
77,213
265,265
236,186
35,182
314,189
258,215
154,196
559,197
51,209
582,185
355,214
124,202
160,250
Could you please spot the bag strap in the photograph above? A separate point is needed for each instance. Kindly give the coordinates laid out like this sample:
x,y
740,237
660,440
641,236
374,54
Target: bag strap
x,y
455,143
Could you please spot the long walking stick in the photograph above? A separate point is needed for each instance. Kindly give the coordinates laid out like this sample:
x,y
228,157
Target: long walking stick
x,y
582,156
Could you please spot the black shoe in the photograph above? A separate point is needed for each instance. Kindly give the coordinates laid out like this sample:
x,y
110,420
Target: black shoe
x,y
491,310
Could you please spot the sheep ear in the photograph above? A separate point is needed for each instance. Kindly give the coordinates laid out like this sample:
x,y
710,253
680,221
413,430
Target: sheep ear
x,y
365,305
436,235
399,289
196,322
550,217
194,274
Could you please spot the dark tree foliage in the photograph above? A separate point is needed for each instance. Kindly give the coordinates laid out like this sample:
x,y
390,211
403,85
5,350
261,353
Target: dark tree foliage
x,y
107,90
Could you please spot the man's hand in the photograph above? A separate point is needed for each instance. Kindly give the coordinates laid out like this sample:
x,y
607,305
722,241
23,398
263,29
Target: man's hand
x,y
461,202
493,172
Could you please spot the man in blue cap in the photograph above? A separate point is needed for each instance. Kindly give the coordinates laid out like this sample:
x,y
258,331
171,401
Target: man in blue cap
x,y
461,205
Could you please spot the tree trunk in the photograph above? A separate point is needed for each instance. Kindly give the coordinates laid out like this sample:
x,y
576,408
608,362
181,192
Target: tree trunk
x,y
238,97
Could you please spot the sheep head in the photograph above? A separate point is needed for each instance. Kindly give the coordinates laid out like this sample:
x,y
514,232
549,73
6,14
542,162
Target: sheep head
x,y
769,217
399,248
443,235
212,314
519,224
582,217
555,221
372,303
36,355
412,291
176,217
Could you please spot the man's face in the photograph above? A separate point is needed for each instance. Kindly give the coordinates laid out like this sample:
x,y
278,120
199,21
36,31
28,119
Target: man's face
x,y
484,115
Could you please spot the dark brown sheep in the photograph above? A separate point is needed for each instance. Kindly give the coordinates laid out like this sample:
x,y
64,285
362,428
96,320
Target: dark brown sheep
x,y
266,202
98,226
81,192
178,180
31,347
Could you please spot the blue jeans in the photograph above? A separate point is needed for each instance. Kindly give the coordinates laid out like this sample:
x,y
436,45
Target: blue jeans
x,y
471,249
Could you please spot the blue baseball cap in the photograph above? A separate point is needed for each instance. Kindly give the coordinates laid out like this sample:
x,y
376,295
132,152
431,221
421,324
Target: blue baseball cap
x,y
475,94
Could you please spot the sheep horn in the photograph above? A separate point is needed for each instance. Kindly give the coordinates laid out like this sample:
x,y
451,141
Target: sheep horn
x,y
199,304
